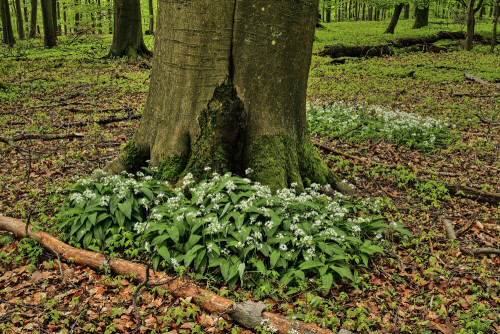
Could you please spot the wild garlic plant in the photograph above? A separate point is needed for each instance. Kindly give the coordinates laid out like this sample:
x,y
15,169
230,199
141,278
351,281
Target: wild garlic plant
x,y
414,131
228,225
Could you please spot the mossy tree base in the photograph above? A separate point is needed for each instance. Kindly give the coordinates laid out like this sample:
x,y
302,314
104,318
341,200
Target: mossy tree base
x,y
223,96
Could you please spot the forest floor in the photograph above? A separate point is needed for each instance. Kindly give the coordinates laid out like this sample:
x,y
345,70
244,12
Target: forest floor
x,y
424,284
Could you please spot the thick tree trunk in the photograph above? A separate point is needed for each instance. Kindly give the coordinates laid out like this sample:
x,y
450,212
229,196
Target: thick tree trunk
x,y
394,20
421,17
127,34
495,23
34,12
228,91
471,23
19,15
49,30
8,32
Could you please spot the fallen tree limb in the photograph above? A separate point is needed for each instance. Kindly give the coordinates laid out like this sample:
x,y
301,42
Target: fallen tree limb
x,y
45,137
450,233
479,80
180,288
340,50
454,189
105,110
103,121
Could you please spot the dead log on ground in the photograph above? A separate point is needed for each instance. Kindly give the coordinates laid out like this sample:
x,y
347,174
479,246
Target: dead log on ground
x,y
450,233
40,136
180,288
479,80
103,121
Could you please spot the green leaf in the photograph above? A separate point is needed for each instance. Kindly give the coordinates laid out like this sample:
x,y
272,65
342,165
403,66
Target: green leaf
x,y
126,208
274,258
92,218
163,251
191,254
241,271
173,232
310,264
159,239
199,258
343,271
327,281
224,270
261,267
193,239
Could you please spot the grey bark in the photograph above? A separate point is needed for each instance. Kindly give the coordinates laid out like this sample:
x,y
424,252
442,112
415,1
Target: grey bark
x,y
49,30
34,12
8,32
19,15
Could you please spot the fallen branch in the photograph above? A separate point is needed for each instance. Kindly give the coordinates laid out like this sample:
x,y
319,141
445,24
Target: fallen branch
x,y
479,80
450,233
103,121
180,288
45,137
454,189
105,110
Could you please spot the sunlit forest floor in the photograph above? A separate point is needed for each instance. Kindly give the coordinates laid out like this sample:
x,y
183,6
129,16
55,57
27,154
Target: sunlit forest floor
x,y
424,284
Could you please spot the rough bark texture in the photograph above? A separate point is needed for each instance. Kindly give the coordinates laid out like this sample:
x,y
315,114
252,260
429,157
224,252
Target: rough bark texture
x,y
127,33
406,13
151,18
180,288
8,33
49,30
394,19
495,23
471,23
421,17
228,91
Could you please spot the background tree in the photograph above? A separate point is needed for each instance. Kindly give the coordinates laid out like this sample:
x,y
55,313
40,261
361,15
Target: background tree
x,y
8,32
19,19
127,32
471,22
151,17
228,91
421,14
34,12
495,22
49,29
395,18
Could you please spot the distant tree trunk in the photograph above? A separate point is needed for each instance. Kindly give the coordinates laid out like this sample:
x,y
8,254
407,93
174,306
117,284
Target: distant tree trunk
x,y
49,30
65,19
406,13
77,14
370,13
57,15
394,20
151,18
99,17
328,5
110,17
471,23
495,22
20,23
421,17
127,34
34,11
8,33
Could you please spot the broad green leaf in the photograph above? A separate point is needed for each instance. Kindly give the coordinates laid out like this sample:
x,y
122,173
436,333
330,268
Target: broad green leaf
x,y
173,232
327,281
274,258
163,251
310,264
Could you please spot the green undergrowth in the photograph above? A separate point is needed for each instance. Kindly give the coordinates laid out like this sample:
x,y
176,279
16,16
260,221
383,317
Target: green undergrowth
x,y
227,227
363,122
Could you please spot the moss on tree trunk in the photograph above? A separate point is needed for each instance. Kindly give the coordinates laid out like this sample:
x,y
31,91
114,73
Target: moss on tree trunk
x,y
228,91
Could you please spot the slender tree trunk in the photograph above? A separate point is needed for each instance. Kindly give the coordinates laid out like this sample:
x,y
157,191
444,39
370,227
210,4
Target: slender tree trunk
x,y
471,23
49,29
406,13
99,17
495,23
223,96
34,11
77,15
151,18
421,17
110,17
8,32
394,20
65,19
328,5
20,23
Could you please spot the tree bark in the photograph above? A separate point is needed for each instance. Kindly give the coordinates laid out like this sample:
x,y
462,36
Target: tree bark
x,y
421,17
471,23
328,10
151,18
228,91
8,32
49,30
495,23
394,20
127,33
406,13
20,22
34,12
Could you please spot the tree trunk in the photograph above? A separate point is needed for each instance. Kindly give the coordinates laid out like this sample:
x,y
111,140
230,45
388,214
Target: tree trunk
x,y
34,11
19,15
471,23
421,17
49,30
406,13
328,9
77,15
8,32
127,34
151,18
394,20
495,23
223,95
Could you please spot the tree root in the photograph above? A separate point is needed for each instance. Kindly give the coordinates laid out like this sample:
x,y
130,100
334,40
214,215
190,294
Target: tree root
x,y
180,288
